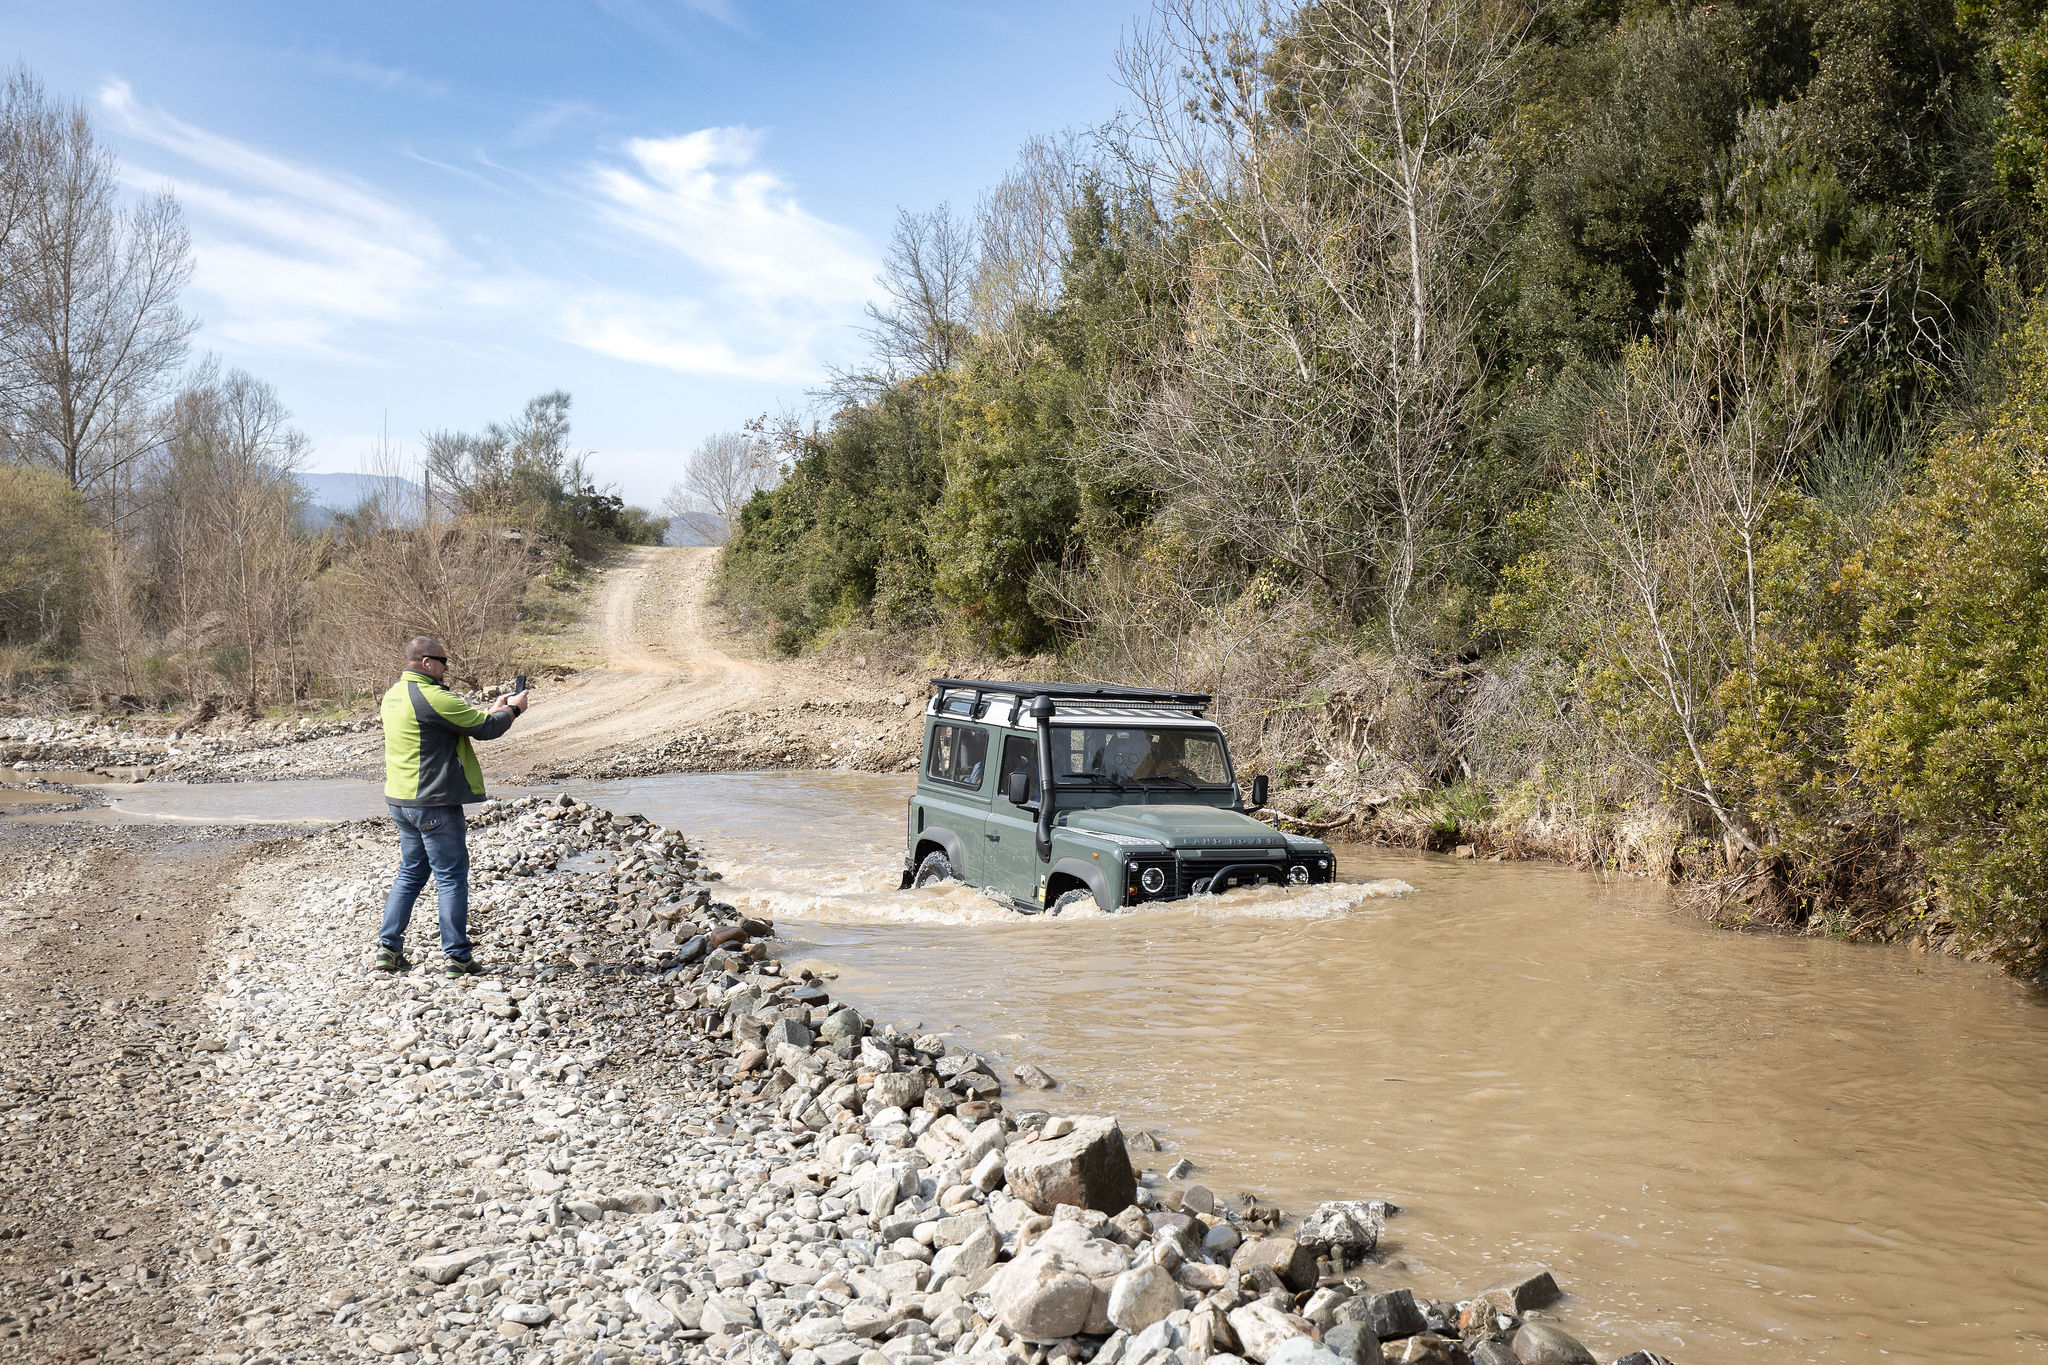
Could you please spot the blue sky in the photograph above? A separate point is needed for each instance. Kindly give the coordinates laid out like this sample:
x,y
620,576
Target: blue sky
x,y
415,216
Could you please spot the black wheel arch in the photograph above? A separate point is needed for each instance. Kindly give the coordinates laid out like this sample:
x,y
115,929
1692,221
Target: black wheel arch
x,y
943,840
1084,873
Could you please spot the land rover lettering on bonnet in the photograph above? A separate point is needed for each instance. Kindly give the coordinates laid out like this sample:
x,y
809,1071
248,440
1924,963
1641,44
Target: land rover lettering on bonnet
x,y
1050,794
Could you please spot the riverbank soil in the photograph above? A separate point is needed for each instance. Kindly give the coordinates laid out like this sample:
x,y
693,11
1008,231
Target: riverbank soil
x,y
102,951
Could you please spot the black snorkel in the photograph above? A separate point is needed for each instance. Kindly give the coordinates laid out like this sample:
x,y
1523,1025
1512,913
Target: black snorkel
x,y
1041,716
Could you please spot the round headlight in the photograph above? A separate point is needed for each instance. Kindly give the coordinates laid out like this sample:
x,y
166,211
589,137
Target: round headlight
x,y
1153,879
1297,875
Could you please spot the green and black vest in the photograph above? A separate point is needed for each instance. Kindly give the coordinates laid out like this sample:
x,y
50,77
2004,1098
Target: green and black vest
x,y
428,759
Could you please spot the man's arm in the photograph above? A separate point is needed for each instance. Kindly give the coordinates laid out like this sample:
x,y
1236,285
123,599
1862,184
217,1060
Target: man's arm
x,y
441,708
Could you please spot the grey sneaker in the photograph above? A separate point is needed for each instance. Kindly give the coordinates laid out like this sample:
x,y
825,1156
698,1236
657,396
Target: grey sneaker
x,y
462,966
389,961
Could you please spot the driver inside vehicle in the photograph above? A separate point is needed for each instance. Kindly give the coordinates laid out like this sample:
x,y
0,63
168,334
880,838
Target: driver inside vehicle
x,y
1166,758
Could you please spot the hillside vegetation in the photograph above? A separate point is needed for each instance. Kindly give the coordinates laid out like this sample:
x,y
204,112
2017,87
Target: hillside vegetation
x,y
1610,431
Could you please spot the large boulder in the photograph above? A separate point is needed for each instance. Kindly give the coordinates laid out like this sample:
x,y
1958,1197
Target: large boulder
x,y
1039,1297
1264,1329
1088,1167
1289,1259
1393,1314
1210,1333
1348,1228
897,1090
970,1257
842,1026
1530,1287
1426,1348
1538,1343
1141,1296
1355,1342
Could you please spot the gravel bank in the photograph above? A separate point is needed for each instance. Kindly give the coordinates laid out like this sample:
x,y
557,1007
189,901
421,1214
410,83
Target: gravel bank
x,y
641,1139
214,750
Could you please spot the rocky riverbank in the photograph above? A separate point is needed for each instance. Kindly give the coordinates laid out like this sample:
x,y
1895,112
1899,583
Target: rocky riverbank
x,y
207,748
644,1138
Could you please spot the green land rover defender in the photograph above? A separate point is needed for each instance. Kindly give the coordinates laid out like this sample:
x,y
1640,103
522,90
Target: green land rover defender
x,y
1051,793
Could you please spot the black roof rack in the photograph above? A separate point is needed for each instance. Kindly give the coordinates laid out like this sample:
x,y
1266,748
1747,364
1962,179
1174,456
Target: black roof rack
x,y
1143,696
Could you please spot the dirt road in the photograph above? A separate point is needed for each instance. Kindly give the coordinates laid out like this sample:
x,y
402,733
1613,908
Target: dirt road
x,y
676,694
103,937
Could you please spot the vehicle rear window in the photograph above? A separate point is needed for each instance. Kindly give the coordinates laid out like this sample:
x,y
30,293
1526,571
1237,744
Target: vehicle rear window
x,y
959,755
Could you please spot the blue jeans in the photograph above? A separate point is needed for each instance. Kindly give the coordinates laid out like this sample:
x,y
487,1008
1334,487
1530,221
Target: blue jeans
x,y
430,838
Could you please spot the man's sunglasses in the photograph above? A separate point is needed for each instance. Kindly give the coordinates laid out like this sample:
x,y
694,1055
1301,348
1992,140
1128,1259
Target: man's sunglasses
x,y
437,658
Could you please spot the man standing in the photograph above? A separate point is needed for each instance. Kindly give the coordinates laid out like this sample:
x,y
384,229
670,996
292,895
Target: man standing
x,y
430,774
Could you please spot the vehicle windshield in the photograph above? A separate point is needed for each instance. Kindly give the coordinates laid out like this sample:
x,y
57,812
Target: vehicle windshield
x,y
1140,756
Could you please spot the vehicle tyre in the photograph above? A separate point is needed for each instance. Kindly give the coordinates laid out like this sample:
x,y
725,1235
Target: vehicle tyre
x,y
936,867
1072,898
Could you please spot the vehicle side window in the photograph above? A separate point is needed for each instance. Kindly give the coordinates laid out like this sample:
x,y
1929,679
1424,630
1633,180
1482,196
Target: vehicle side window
x,y
959,755
1020,755
969,764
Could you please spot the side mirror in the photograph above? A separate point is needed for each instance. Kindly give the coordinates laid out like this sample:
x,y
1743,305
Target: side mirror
x,y
1017,788
1259,792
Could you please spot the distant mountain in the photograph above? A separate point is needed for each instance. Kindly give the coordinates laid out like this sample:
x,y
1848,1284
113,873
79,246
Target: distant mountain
x,y
329,495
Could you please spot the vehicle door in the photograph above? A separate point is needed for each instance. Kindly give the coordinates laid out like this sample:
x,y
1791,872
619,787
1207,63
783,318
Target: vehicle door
x,y
1012,831
955,782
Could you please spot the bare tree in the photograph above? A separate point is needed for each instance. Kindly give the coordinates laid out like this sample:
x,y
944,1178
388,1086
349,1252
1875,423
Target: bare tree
x,y
89,322
233,562
30,127
1684,463
407,565
1022,228
725,470
928,276
1335,165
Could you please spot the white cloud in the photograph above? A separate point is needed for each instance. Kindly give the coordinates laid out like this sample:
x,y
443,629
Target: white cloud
x,y
291,256
680,334
381,77
762,278
709,265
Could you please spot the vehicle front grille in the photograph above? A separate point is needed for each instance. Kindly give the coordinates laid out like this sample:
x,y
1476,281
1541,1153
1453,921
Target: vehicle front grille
x,y
1181,874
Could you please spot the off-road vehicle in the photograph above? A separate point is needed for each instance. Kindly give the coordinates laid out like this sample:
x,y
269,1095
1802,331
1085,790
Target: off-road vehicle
x,y
1051,793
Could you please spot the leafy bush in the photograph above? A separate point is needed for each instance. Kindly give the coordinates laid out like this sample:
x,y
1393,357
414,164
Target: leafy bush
x,y
45,558
1950,724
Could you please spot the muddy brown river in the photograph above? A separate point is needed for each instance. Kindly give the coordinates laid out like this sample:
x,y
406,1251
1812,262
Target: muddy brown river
x,y
1726,1147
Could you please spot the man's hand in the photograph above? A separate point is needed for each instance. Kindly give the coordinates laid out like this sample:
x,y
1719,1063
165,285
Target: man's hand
x,y
516,704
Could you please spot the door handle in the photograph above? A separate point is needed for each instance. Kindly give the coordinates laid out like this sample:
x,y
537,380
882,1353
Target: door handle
x,y
993,838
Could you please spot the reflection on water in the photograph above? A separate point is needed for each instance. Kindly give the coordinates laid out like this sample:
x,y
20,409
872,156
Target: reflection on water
x,y
1721,1144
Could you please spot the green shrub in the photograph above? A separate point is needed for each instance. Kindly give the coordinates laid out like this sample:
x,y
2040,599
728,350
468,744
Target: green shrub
x,y
1949,728
45,558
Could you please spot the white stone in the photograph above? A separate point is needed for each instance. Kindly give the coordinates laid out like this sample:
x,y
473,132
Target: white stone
x,y
649,1309
1142,1296
1263,1329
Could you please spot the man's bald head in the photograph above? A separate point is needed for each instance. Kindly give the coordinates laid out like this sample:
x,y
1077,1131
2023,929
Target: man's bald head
x,y
423,647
